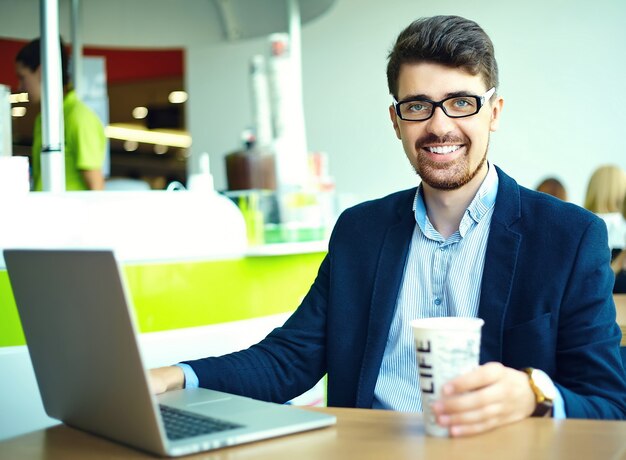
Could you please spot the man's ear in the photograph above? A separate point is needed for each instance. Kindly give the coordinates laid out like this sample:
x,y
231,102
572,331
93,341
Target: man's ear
x,y
496,110
394,121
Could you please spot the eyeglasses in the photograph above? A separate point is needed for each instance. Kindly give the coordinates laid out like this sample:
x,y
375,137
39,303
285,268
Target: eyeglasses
x,y
420,109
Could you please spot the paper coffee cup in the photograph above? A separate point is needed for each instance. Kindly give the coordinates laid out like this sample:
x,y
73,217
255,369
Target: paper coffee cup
x,y
446,348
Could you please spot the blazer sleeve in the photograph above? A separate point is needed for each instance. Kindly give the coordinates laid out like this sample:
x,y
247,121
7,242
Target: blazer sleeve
x,y
589,370
288,362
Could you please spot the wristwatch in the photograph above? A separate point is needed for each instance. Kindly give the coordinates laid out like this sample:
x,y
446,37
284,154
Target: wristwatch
x,y
543,389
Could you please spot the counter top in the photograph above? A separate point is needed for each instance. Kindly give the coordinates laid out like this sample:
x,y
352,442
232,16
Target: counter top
x,y
283,249
138,226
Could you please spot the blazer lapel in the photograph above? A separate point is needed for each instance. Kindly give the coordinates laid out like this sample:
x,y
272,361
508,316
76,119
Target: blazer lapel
x,y
389,273
500,261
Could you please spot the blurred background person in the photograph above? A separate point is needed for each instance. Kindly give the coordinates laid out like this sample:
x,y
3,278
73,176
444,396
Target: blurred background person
x,y
553,186
85,142
605,197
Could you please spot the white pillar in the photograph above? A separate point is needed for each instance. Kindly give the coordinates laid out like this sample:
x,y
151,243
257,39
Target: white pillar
x,y
77,48
53,138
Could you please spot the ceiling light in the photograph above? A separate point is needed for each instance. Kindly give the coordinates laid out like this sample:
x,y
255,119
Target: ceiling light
x,y
160,149
177,97
140,113
18,111
131,146
18,97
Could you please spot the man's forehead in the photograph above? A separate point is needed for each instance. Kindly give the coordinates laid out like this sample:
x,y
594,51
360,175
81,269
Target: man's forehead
x,y
434,80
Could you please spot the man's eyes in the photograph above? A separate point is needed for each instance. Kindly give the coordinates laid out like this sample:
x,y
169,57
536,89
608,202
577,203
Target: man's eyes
x,y
462,102
417,106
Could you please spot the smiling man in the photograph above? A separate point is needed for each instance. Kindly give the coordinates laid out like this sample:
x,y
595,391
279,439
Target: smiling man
x,y
468,241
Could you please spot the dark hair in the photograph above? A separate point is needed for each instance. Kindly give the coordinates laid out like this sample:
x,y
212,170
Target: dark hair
x,y
552,186
449,40
30,56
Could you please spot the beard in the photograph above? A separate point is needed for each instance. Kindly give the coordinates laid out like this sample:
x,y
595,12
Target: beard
x,y
450,175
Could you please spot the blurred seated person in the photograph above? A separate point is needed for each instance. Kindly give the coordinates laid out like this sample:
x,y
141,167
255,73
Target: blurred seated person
x,y
85,142
605,196
553,186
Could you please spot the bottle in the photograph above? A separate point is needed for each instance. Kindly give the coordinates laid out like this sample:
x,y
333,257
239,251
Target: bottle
x,y
250,168
203,180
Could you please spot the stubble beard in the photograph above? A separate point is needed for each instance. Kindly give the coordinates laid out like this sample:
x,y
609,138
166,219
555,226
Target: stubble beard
x,y
450,175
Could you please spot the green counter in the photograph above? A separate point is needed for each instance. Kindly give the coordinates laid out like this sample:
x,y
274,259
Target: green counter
x,y
197,293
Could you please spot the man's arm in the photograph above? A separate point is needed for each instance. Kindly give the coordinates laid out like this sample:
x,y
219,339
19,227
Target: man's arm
x,y
94,179
589,373
289,361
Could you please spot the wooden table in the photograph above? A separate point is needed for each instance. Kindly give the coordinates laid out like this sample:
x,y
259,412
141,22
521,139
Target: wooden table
x,y
364,434
620,306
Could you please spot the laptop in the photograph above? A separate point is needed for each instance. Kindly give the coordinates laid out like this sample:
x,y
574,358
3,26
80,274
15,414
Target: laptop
x,y
81,334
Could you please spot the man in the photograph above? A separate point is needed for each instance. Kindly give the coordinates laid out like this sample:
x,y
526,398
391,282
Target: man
x,y
85,142
467,242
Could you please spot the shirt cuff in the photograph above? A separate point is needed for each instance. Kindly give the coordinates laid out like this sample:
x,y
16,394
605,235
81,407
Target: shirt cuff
x,y
191,379
558,406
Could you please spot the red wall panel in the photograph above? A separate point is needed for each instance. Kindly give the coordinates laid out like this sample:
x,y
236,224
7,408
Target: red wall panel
x,y
122,64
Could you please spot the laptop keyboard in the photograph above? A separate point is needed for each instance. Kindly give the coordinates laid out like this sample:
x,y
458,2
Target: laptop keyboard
x,y
180,424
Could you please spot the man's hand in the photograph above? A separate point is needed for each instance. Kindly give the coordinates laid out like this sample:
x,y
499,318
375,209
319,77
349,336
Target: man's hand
x,y
488,397
164,379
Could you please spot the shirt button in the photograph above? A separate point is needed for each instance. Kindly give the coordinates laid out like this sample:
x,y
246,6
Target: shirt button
x,y
442,248
437,301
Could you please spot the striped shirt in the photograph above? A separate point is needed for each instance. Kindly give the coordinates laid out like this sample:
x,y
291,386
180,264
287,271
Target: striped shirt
x,y
442,277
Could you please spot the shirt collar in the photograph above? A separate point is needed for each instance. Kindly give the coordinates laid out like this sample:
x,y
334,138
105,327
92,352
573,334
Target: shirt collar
x,y
482,202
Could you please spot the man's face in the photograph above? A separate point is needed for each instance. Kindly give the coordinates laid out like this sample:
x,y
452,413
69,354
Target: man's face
x,y
447,153
30,81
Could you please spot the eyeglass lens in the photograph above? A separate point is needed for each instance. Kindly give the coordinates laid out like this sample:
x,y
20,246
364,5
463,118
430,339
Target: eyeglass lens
x,y
461,106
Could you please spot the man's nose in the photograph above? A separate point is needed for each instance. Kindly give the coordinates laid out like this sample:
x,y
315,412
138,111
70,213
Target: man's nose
x,y
440,123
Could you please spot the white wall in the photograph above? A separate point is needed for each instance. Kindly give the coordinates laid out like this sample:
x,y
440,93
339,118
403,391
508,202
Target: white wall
x,y
556,58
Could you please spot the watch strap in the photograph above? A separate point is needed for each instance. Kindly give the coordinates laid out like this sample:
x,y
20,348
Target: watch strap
x,y
543,404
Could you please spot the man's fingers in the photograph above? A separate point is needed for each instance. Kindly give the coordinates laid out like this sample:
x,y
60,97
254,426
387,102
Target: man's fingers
x,y
484,398
482,376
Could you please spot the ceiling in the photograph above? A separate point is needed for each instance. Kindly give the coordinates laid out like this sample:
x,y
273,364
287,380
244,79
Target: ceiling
x,y
161,23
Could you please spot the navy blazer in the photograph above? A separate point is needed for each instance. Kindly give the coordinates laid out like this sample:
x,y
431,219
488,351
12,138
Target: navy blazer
x,y
545,298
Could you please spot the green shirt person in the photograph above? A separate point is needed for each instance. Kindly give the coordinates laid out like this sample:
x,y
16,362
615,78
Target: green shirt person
x,y
85,142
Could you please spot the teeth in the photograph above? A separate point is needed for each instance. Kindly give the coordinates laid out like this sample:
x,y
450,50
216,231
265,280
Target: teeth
x,y
443,149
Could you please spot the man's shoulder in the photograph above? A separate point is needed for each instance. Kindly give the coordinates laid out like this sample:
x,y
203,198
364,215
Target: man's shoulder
x,y
391,205
76,110
516,202
362,229
369,221
541,204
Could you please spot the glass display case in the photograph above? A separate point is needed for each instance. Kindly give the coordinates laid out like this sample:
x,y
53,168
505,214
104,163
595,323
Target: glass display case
x,y
286,217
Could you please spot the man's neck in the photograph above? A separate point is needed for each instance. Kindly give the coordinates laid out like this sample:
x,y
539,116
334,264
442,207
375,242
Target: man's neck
x,y
445,208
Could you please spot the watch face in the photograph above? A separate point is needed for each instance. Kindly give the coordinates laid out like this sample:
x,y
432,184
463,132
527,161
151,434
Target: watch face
x,y
544,383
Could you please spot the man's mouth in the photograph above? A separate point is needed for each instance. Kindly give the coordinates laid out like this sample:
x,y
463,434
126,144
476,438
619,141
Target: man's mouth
x,y
442,149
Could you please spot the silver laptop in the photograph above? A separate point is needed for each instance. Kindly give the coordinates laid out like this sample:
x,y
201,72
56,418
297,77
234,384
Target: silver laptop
x,y
82,340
